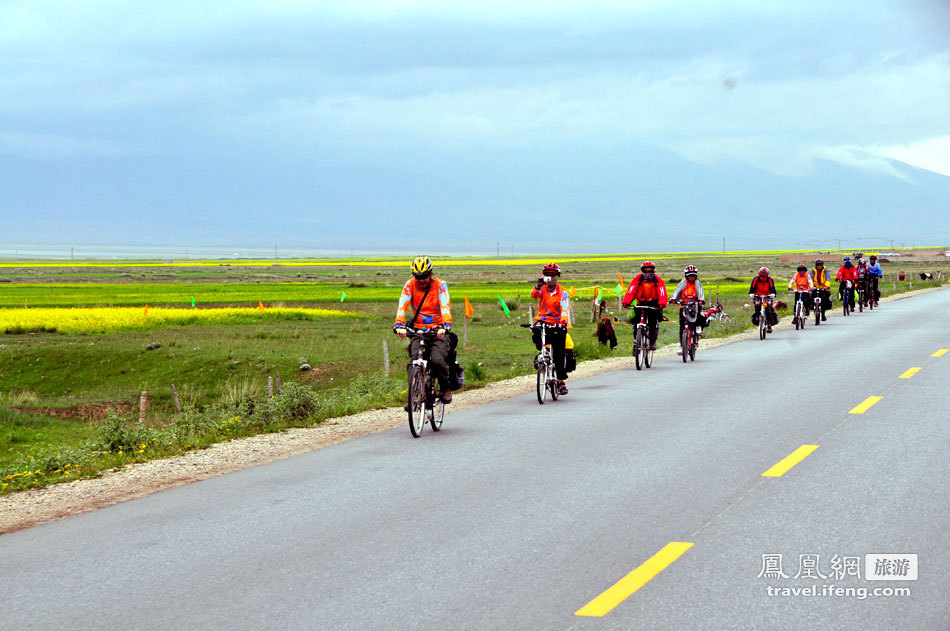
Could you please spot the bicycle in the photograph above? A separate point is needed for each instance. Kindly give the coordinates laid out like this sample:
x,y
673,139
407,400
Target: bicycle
x,y
847,297
862,295
642,354
764,303
689,339
544,362
799,317
424,394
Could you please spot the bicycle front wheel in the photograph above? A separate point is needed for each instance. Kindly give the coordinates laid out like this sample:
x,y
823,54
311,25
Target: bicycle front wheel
x,y
684,343
542,384
416,406
693,345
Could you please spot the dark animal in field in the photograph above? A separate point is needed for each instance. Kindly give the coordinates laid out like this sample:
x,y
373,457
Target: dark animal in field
x,y
780,306
901,276
926,276
605,333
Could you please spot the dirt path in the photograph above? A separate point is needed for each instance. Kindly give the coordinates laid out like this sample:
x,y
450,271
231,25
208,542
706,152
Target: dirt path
x,y
38,506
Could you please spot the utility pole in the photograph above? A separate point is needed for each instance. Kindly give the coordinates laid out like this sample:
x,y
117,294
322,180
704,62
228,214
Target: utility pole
x,y
497,249
275,251
71,257
724,246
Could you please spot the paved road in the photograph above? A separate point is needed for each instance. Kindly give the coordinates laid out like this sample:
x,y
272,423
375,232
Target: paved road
x,y
516,516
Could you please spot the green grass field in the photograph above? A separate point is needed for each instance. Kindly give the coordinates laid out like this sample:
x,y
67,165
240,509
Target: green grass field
x,y
54,386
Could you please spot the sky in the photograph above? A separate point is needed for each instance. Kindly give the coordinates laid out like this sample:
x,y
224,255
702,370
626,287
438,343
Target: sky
x,y
347,121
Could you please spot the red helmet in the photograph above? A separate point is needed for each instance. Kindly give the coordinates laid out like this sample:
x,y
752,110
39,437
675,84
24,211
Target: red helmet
x,y
647,264
763,271
690,269
551,268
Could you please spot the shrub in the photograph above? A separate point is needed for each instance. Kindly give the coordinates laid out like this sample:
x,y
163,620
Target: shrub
x,y
295,403
117,433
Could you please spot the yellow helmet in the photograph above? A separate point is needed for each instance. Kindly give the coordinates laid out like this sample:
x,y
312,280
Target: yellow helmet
x,y
421,266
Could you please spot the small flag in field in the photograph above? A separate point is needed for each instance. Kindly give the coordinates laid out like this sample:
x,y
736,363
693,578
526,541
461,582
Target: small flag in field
x,y
145,314
571,291
469,311
504,306
618,289
619,278
260,305
597,295
192,301
342,296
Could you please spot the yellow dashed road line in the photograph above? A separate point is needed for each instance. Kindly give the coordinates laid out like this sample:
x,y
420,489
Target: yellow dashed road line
x,y
625,587
781,467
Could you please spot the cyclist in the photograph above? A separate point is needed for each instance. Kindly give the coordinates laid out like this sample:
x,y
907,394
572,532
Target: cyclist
x,y
429,298
648,290
801,284
762,286
863,277
822,291
553,308
874,269
846,273
690,289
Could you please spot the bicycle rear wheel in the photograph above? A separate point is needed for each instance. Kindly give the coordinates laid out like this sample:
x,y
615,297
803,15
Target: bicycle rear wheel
x,y
552,386
417,400
437,413
684,343
762,326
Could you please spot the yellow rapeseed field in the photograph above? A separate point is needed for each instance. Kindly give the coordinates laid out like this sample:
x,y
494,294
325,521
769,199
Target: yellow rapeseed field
x,y
107,319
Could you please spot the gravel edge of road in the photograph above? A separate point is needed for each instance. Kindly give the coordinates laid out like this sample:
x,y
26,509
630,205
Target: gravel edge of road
x,y
38,506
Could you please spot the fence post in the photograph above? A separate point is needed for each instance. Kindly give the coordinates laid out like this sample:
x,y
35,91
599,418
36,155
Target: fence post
x,y
465,332
278,383
143,406
270,386
519,298
385,357
177,404
530,313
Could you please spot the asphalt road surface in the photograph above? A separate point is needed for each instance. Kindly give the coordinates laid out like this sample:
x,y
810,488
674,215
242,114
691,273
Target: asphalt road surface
x,y
637,501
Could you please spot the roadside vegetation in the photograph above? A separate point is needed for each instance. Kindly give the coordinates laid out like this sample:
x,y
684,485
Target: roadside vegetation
x,y
69,395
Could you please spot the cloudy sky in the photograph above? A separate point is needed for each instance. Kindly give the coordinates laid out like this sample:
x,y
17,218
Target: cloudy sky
x,y
217,97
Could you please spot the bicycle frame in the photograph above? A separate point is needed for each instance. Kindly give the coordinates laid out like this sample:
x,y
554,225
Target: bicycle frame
x,y
799,317
544,362
430,408
763,302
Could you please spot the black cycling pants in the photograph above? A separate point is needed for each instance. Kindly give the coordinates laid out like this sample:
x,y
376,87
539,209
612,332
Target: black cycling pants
x,y
438,351
653,321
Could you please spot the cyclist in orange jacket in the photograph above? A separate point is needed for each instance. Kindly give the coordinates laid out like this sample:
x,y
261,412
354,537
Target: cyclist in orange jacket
x,y
690,289
553,308
762,286
801,283
429,298
648,290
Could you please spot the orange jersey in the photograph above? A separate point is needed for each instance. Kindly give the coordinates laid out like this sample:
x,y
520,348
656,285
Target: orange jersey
x,y
552,305
434,312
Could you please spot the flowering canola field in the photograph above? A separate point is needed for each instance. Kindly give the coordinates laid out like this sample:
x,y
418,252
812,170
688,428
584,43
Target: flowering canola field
x,y
108,319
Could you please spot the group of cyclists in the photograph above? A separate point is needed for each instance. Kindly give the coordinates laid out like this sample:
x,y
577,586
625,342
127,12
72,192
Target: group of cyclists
x,y
429,298
813,287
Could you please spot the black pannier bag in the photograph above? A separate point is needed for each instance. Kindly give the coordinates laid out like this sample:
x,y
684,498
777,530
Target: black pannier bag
x,y
570,360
